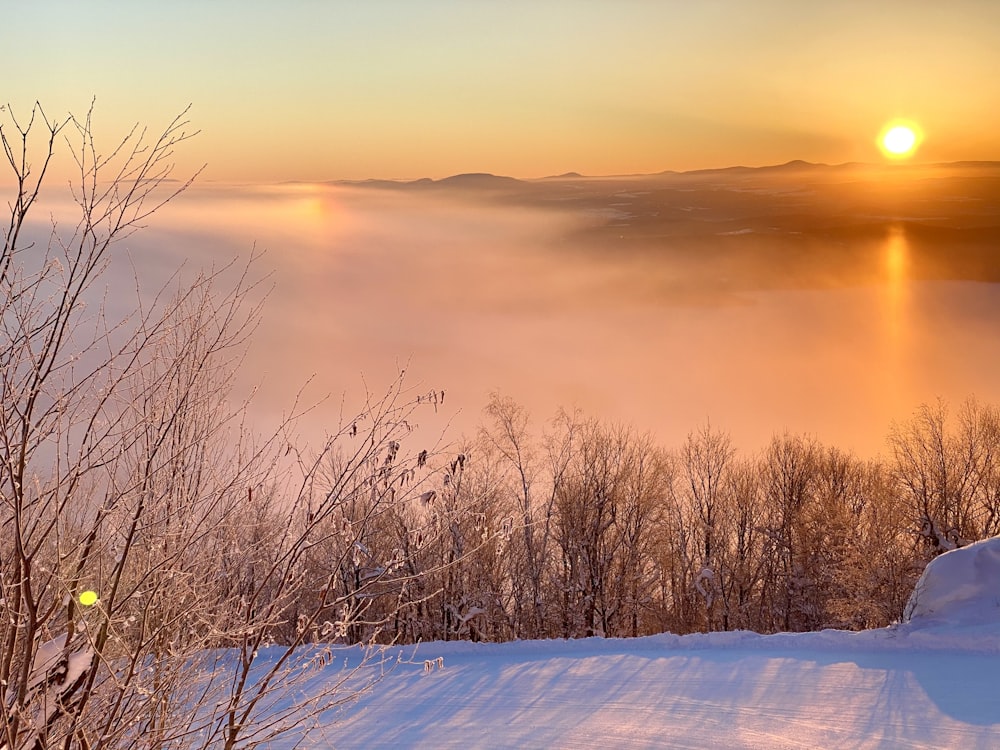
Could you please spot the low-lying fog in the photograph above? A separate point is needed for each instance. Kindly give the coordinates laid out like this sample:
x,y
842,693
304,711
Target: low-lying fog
x,y
557,302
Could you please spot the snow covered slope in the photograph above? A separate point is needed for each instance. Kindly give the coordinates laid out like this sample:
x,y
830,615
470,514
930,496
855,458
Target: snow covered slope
x,y
961,587
930,682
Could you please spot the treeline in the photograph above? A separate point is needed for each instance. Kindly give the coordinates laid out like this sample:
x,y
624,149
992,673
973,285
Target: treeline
x,y
588,528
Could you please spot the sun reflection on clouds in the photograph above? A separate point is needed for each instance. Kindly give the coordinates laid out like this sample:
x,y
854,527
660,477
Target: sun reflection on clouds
x,y
896,293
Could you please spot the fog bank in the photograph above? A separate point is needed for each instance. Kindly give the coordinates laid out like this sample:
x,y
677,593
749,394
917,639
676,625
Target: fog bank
x,y
531,297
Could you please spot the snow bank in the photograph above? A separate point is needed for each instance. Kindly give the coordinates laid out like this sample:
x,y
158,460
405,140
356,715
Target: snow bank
x,y
927,683
961,587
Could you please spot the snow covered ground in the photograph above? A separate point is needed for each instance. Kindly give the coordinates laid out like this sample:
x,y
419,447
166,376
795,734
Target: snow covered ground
x,y
930,682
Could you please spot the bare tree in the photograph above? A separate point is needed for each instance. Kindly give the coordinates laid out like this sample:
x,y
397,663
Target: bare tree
x,y
506,435
706,456
789,475
607,503
648,473
944,472
158,574
748,550
65,381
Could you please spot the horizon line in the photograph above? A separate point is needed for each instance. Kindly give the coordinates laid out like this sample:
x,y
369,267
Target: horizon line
x,y
793,163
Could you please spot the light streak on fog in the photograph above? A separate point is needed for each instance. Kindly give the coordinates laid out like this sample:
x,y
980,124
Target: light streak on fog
x,y
896,293
474,298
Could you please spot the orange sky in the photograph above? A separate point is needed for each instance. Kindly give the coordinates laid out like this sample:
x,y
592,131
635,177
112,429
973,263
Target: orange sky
x,y
314,91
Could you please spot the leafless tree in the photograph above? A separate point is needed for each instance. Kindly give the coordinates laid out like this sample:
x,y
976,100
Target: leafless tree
x,y
128,475
948,475
746,550
789,468
706,456
606,502
506,436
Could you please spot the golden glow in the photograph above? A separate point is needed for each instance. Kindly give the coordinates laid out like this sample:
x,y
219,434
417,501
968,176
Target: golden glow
x,y
899,140
894,352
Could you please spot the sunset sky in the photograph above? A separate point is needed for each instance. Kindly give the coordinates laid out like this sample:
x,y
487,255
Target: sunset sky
x,y
333,90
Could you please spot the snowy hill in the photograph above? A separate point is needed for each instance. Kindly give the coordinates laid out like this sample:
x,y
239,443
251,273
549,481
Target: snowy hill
x,y
961,587
930,682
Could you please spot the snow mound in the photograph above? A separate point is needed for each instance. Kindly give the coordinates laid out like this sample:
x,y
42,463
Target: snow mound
x,y
961,587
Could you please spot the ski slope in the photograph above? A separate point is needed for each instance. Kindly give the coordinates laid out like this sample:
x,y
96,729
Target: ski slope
x,y
930,682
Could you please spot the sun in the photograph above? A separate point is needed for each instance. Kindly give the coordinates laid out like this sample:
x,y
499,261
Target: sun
x,y
898,140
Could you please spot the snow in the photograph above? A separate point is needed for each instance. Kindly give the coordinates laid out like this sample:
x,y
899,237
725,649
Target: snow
x,y
929,682
46,660
961,586
56,669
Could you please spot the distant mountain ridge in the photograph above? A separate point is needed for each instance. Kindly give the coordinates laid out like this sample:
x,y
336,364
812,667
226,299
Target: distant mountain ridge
x,y
796,225
489,181
470,180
